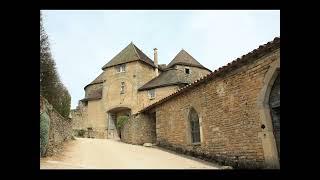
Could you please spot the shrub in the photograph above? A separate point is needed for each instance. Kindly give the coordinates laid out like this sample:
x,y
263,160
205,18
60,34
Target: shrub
x,y
81,132
44,133
121,121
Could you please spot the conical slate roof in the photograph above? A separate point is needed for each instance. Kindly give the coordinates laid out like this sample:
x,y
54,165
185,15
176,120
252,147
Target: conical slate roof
x,y
98,80
95,95
167,78
184,58
129,54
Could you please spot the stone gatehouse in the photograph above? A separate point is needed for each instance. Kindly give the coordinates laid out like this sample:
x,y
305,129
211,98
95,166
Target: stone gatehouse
x,y
231,115
129,82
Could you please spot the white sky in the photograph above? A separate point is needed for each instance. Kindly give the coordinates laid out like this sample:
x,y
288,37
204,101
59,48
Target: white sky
x,y
83,41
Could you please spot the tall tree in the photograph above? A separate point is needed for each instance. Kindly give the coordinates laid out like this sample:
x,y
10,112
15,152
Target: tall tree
x,y
48,75
50,85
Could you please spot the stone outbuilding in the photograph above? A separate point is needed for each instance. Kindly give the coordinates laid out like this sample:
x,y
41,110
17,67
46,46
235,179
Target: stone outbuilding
x,y
232,115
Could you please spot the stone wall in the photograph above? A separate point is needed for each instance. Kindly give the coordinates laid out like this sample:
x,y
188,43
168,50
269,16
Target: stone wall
x,y
97,119
160,93
195,72
135,75
229,115
60,128
139,130
79,118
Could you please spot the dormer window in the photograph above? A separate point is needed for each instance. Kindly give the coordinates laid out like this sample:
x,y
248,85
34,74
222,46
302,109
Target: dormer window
x,y
187,70
152,94
121,68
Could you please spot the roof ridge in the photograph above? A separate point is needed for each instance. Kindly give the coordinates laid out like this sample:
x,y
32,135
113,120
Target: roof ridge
x,y
191,55
162,80
134,48
185,58
130,53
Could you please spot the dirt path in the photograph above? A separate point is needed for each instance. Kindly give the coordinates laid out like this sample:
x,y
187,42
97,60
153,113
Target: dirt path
x,y
111,154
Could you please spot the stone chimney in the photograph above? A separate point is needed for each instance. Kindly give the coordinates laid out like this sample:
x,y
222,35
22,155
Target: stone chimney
x,y
156,60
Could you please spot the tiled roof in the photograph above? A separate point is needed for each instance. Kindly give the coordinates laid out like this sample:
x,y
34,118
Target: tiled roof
x,y
129,54
97,94
184,58
167,78
98,80
253,55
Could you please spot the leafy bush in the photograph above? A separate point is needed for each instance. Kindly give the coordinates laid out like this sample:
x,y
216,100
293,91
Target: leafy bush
x,y
81,132
44,133
121,120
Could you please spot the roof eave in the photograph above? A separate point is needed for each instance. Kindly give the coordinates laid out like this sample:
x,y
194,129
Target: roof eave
x,y
90,99
163,85
100,82
191,65
105,67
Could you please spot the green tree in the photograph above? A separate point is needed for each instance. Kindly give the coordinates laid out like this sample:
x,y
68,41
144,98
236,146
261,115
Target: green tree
x,y
63,103
48,74
51,87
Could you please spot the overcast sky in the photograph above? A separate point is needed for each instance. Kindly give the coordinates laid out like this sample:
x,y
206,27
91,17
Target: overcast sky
x,y
83,41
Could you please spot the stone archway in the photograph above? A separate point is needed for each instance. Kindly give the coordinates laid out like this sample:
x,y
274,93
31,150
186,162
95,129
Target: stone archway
x,y
113,131
270,116
274,104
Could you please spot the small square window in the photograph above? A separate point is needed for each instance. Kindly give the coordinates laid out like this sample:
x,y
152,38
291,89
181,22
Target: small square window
x,y
187,70
152,93
121,68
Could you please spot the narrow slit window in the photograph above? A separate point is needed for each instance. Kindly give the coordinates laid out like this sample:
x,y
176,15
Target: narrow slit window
x,y
122,88
194,126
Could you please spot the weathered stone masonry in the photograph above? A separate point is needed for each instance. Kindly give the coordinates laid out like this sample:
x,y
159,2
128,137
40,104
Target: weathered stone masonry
x,y
235,110
60,128
228,107
118,92
139,129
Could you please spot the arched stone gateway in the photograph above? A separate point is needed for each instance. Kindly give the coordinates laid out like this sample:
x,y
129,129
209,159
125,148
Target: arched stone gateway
x,y
274,104
113,114
269,109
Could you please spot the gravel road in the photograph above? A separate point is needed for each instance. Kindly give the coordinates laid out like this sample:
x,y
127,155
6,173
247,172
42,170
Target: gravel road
x,y
84,153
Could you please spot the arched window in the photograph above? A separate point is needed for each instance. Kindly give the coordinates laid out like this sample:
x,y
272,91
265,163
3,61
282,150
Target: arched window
x,y
194,126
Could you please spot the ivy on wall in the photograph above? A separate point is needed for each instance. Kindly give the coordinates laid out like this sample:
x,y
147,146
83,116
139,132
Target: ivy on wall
x,y
44,133
121,121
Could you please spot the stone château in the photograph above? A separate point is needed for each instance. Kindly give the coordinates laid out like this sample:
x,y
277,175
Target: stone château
x,y
231,115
